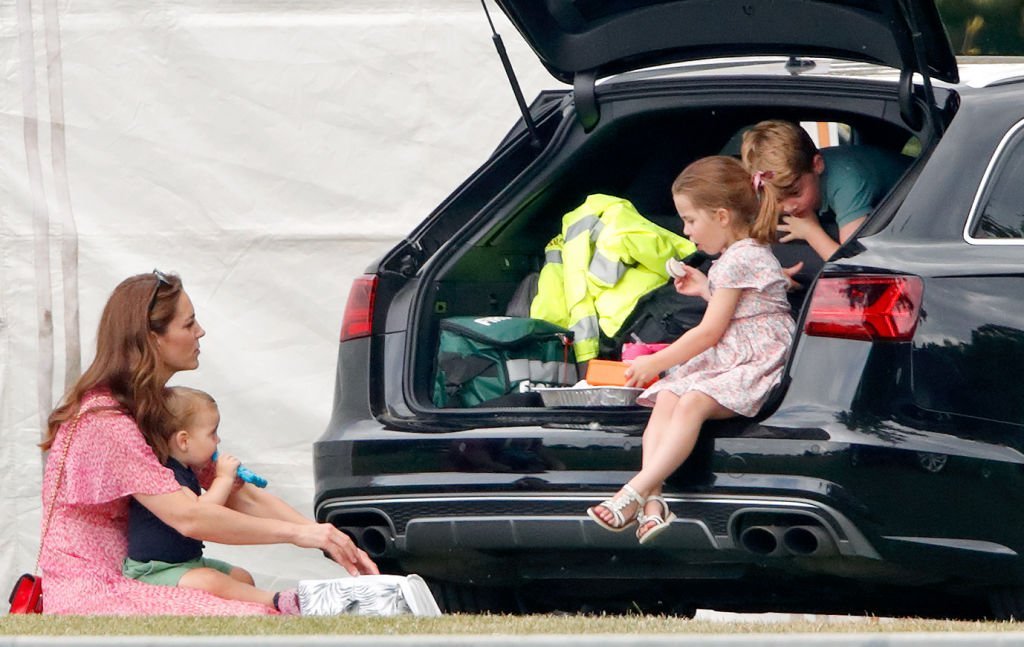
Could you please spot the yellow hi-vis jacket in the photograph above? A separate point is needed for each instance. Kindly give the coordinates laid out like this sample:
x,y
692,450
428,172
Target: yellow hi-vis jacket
x,y
606,257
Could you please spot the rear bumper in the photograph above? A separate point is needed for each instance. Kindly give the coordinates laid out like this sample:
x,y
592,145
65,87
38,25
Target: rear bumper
x,y
508,505
432,525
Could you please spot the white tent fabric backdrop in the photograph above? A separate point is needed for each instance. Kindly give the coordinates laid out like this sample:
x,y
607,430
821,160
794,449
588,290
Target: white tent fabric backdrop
x,y
267,152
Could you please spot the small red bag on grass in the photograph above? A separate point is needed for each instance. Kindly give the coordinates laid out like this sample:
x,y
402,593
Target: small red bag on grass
x,y
27,595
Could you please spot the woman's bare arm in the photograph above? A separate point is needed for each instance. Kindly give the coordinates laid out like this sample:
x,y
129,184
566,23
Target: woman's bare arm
x,y
183,511
257,502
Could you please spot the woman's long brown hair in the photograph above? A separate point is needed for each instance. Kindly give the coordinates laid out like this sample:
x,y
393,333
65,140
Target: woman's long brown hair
x,y
126,359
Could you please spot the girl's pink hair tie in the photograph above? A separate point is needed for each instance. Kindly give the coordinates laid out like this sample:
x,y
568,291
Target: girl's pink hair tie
x,y
759,177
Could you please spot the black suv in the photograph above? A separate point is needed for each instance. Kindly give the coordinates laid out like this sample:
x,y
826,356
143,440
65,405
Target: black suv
x,y
887,472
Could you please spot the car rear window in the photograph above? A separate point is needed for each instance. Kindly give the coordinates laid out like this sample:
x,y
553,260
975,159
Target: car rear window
x,y
999,213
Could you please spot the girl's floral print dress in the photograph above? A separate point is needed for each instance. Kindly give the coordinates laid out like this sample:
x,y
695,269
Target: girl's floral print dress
x,y
741,369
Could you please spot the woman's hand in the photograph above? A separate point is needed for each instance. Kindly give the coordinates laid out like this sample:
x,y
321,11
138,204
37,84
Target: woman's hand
x,y
694,284
253,501
643,370
338,546
227,466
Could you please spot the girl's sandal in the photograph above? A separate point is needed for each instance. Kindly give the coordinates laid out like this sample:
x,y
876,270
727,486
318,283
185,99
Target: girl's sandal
x,y
661,521
616,505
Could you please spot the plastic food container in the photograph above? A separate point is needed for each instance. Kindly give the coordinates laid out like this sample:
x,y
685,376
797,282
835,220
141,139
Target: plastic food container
x,y
632,350
597,396
605,372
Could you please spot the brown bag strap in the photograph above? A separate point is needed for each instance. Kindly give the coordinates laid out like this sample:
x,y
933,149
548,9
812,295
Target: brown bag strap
x,y
60,476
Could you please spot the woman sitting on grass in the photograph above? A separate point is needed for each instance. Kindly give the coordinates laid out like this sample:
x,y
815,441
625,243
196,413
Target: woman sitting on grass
x,y
102,438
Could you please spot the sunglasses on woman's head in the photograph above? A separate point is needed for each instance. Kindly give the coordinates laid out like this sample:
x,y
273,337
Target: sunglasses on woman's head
x,y
161,279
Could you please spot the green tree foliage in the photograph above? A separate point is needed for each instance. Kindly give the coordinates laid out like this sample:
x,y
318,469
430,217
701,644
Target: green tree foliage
x,y
984,27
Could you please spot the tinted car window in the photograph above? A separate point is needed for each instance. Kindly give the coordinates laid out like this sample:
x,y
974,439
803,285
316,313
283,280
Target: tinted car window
x,y
1001,207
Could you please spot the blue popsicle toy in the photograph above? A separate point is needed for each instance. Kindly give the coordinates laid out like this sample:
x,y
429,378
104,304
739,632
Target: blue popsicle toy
x,y
247,475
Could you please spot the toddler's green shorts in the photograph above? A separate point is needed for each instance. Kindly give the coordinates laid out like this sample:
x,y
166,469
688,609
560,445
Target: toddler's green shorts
x,y
167,574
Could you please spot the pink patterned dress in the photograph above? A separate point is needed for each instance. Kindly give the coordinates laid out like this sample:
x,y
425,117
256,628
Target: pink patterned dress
x,y
741,369
108,460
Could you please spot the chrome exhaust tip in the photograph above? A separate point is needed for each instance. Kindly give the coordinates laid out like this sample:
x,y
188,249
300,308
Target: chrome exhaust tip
x,y
377,541
809,541
763,540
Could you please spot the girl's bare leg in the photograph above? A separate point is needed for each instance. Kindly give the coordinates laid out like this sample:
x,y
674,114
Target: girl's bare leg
x,y
656,426
675,444
224,586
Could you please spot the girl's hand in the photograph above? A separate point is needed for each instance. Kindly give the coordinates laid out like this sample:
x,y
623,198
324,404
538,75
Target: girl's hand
x,y
642,371
799,227
336,545
227,465
694,284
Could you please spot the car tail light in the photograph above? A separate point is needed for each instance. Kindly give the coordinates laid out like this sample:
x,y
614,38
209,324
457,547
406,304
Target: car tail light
x,y
866,307
358,319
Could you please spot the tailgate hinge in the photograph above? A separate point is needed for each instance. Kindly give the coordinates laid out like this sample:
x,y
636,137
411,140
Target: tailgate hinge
x,y
584,92
906,79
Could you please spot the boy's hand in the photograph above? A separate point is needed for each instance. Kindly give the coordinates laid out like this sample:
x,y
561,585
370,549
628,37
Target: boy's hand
x,y
227,465
790,274
798,227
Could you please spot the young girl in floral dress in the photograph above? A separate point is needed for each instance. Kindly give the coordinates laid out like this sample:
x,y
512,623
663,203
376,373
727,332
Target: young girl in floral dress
x,y
727,364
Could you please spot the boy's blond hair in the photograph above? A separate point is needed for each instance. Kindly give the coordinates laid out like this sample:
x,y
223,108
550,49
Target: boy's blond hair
x,y
782,151
183,403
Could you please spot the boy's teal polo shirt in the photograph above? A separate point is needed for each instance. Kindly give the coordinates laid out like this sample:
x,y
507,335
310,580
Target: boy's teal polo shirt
x,y
856,178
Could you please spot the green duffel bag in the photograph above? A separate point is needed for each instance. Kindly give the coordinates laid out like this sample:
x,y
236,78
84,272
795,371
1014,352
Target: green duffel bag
x,y
482,358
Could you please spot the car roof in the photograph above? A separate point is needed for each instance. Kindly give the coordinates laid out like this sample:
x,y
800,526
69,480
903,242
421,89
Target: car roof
x,y
606,37
980,72
975,72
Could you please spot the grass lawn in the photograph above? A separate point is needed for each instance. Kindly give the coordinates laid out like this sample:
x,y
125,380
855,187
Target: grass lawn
x,y
461,624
